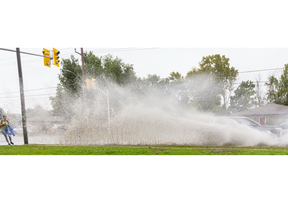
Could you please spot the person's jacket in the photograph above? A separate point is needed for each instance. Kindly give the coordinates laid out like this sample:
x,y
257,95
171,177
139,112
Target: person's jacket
x,y
10,130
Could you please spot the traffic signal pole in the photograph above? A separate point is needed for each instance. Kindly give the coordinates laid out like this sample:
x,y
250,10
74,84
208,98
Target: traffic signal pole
x,y
23,110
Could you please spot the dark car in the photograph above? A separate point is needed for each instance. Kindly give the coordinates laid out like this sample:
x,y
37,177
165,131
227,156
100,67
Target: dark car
x,y
249,122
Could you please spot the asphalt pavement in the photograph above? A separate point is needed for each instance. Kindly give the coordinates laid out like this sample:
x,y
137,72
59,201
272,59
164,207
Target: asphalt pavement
x,y
18,139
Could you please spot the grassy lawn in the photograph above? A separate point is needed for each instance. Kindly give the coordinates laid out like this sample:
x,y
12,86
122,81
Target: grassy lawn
x,y
139,150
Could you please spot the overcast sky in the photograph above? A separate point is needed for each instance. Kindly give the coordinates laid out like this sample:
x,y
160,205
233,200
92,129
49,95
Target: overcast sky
x,y
40,81
175,36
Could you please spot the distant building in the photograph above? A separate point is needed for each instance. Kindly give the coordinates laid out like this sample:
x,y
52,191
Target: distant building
x,y
270,114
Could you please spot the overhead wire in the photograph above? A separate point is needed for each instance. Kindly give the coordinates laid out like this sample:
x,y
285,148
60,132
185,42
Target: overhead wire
x,y
8,97
260,70
30,90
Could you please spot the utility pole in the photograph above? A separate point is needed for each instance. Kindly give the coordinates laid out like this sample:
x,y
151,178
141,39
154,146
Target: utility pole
x,y
83,68
23,110
83,74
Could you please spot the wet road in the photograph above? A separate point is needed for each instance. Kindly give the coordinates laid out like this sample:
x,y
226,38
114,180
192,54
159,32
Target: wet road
x,y
35,139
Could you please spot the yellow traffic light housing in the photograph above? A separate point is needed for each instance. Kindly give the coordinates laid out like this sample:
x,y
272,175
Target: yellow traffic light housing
x,y
56,57
87,83
93,83
47,61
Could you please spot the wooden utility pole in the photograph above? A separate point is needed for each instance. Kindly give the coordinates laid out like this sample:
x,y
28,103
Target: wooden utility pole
x,y
83,88
83,68
23,110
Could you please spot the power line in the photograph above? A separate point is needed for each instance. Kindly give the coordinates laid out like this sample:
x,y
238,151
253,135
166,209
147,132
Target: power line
x,y
122,49
28,96
31,90
260,70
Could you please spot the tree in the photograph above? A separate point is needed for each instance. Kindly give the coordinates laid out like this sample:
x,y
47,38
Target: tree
x,y
71,76
282,90
272,89
37,111
153,80
112,68
192,72
62,103
104,69
202,91
175,76
225,75
278,88
260,94
243,98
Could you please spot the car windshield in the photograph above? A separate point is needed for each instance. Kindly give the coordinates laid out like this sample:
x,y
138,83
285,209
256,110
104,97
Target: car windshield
x,y
245,121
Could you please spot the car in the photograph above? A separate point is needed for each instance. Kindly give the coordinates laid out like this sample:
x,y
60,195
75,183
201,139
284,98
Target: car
x,y
19,129
43,128
58,128
276,130
284,126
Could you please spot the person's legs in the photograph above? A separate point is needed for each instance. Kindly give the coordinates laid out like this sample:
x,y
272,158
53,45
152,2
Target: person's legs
x,y
10,138
4,131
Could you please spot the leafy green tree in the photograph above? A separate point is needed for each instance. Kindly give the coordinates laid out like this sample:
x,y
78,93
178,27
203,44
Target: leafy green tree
x,y
104,69
71,76
192,72
272,89
175,76
37,111
153,80
260,94
62,102
202,91
69,88
282,88
225,75
278,88
243,98
109,67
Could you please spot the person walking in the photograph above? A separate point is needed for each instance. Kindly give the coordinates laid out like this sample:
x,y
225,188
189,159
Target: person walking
x,y
3,126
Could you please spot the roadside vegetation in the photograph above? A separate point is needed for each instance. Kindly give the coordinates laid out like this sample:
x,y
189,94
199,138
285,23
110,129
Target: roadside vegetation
x,y
140,150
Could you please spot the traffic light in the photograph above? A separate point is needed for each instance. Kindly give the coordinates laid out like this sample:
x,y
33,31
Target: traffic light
x,y
56,57
87,83
47,61
93,84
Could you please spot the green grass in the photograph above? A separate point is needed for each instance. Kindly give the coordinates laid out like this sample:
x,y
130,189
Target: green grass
x,y
139,150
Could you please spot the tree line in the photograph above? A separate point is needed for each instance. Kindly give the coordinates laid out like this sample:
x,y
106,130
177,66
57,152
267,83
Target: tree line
x,y
208,88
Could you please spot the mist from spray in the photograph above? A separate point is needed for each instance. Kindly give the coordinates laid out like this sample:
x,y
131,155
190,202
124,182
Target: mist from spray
x,y
149,115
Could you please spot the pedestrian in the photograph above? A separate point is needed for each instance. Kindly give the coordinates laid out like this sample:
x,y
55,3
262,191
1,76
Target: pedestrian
x,y
3,126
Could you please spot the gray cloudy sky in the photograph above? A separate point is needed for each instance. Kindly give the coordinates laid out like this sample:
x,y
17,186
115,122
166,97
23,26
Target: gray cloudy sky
x,y
40,81
251,33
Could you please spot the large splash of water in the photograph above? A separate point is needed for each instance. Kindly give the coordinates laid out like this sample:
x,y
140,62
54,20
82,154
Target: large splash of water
x,y
152,119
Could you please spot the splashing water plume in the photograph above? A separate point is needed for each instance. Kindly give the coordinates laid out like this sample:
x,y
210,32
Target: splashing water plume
x,y
150,119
